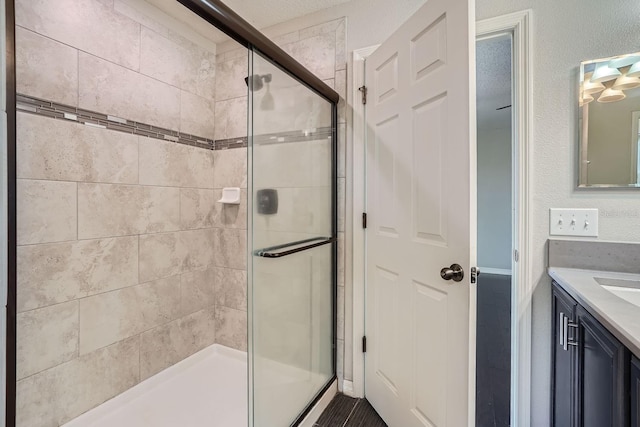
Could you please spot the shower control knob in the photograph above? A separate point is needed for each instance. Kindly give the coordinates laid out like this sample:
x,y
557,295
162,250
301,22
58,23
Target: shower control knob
x,y
455,273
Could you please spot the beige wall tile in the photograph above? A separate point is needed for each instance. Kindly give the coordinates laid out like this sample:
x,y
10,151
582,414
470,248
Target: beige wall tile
x,y
197,115
231,328
178,62
340,358
200,248
231,288
161,255
317,53
112,89
198,208
198,290
302,210
59,272
320,163
341,259
230,168
106,210
341,83
231,248
46,337
342,188
163,59
92,27
342,150
294,165
316,30
231,216
230,78
68,151
169,254
60,394
341,45
286,38
116,315
340,313
176,165
231,118
34,54
168,344
296,108
47,211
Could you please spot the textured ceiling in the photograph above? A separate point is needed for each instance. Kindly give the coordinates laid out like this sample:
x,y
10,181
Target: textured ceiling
x,y
493,82
260,13
264,13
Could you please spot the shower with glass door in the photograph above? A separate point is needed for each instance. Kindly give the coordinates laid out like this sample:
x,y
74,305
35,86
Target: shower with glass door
x,y
129,304
292,240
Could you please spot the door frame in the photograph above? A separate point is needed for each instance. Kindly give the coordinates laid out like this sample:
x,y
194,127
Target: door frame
x,y
519,25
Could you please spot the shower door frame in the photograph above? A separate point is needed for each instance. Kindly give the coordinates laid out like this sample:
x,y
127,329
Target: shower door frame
x,y
9,200
333,241
225,19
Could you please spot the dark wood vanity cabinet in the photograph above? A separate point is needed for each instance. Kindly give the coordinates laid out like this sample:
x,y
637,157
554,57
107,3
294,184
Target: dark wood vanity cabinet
x,y
563,366
591,369
634,386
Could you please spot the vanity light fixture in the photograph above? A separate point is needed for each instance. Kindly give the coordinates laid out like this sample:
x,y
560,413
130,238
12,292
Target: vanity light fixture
x,y
624,82
604,73
634,71
586,98
591,87
611,95
624,61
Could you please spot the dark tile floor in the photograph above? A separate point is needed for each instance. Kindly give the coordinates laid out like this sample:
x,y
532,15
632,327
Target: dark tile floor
x,y
344,411
493,358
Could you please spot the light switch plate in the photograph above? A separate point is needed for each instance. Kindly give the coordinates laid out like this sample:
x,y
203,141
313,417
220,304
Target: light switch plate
x,y
573,222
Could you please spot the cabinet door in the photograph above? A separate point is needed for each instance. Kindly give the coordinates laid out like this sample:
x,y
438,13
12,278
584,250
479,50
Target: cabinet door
x,y
563,368
602,374
635,392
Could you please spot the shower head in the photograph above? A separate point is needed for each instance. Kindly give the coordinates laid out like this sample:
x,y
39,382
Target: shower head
x,y
254,82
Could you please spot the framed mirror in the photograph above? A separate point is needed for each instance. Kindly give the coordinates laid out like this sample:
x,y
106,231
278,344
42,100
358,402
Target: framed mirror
x,y
609,117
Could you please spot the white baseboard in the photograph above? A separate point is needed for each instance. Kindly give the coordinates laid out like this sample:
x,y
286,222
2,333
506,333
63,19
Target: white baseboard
x,y
347,388
500,271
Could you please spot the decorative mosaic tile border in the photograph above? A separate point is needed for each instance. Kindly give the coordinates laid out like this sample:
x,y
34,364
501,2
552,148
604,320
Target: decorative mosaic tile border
x,y
54,110
91,118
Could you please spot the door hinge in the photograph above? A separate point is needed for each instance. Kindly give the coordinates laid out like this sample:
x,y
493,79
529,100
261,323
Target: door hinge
x,y
363,91
364,220
516,255
364,344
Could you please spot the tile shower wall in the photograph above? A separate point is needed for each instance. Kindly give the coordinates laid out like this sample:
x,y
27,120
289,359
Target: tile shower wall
x,y
119,265
320,48
163,78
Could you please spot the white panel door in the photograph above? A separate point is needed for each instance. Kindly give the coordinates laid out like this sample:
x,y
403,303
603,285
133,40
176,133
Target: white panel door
x,y
420,116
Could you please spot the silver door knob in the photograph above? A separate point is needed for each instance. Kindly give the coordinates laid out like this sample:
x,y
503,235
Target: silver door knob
x,y
454,273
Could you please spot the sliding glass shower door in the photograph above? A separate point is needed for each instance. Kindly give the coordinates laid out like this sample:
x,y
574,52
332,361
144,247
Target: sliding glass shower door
x,y
292,241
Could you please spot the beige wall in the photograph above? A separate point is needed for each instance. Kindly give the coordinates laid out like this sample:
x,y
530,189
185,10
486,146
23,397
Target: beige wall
x,y
563,35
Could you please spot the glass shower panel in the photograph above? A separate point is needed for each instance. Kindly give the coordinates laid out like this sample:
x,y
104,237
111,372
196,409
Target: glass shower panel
x,y
291,326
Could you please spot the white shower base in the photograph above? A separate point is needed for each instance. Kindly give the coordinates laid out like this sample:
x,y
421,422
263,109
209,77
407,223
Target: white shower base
x,y
208,389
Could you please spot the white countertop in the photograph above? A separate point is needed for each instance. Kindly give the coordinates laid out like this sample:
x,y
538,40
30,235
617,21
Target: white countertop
x,y
619,316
